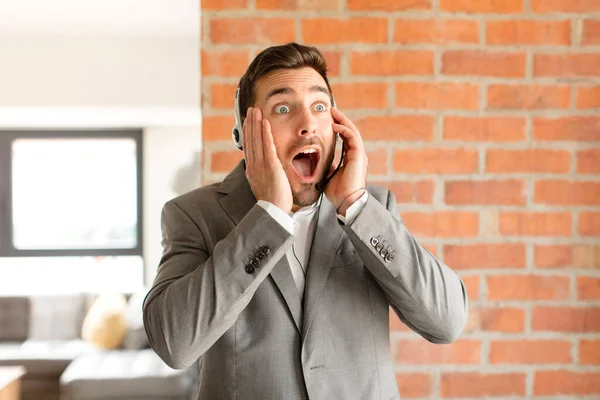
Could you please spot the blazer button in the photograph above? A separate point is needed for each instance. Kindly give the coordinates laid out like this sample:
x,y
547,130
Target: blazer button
x,y
389,257
379,247
264,250
254,263
383,253
374,241
249,269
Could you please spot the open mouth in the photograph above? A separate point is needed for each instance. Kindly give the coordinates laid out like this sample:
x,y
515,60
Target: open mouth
x,y
305,163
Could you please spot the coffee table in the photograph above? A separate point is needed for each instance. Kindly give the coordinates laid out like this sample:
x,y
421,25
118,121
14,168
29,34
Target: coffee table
x,y
10,382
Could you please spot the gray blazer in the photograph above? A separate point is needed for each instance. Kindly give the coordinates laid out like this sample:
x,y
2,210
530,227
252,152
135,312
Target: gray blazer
x,y
224,295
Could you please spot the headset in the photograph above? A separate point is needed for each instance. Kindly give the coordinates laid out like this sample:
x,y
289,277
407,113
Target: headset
x,y
237,138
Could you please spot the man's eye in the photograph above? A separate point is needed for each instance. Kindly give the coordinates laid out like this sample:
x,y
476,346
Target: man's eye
x,y
320,107
282,109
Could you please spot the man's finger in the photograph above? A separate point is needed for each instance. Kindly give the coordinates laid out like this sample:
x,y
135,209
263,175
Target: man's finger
x,y
270,152
248,149
257,137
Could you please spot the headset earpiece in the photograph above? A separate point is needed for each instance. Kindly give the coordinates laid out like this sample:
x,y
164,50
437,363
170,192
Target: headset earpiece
x,y
237,128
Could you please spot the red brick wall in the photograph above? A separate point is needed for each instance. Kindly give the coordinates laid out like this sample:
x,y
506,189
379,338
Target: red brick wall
x,y
483,117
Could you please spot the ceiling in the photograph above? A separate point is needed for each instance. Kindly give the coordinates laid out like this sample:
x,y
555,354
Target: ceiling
x,y
100,17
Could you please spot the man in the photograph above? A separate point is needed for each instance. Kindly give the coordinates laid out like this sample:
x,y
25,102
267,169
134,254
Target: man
x,y
281,291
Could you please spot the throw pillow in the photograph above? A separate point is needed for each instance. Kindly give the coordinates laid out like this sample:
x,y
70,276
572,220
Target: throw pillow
x,y
105,325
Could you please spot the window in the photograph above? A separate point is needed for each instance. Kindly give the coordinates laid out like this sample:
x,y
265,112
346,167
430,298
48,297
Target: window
x,y
71,198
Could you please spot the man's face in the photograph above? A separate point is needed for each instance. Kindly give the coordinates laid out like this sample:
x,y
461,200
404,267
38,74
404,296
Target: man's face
x,y
297,104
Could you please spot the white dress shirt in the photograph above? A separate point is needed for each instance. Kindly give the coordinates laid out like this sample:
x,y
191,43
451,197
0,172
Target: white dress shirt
x,y
302,225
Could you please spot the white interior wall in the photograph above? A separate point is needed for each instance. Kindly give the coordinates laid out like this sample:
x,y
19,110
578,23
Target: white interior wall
x,y
102,81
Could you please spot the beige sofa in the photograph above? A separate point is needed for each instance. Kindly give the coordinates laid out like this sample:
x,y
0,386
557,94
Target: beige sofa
x,y
43,334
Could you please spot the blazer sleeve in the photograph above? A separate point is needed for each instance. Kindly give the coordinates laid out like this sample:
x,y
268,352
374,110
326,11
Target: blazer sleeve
x,y
426,295
197,296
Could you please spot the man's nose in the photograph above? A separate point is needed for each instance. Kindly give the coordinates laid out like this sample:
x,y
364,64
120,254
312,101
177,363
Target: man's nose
x,y
307,124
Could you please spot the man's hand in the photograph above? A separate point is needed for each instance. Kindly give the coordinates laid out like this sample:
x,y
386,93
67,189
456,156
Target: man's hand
x,y
263,168
352,175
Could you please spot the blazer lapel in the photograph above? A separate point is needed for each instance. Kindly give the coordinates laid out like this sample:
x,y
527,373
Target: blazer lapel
x,y
237,203
322,253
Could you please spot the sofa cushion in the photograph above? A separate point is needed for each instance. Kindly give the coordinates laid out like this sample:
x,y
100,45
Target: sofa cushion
x,y
56,317
14,318
120,374
42,357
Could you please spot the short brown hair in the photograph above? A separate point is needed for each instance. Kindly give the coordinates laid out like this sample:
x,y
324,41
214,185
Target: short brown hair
x,y
287,56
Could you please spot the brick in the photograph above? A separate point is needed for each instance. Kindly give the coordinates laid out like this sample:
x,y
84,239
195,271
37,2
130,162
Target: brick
x,y
217,127
488,192
436,161
567,128
254,31
555,192
472,286
530,352
484,256
567,65
225,161
567,6
224,63
478,385
442,223
591,32
347,30
589,223
436,31
397,127
552,256
334,62
385,5
221,5
528,161
588,288
419,351
588,161
528,32
395,324
386,63
483,63
588,97
484,129
412,192
586,256
412,385
535,223
418,95
496,319
483,6
527,287
222,95
566,319
589,352
528,97
567,256
360,95
298,5
377,162
566,383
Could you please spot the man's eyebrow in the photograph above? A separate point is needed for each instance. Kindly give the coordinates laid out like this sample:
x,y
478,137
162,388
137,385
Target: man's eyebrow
x,y
289,90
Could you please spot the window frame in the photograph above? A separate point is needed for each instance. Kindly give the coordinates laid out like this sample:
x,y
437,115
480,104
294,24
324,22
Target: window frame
x,y
7,137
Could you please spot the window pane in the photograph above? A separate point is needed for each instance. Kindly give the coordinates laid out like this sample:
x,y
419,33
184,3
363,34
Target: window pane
x,y
56,275
74,193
